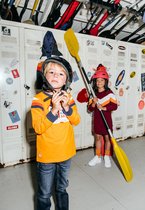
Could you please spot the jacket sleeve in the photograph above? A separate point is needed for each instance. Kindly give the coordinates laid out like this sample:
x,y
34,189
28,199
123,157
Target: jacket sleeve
x,y
112,105
41,121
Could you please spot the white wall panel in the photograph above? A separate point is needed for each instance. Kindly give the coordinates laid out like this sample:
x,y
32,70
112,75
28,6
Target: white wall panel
x,y
121,66
10,88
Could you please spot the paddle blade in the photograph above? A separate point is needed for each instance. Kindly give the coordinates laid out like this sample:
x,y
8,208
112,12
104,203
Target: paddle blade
x,y
72,43
123,161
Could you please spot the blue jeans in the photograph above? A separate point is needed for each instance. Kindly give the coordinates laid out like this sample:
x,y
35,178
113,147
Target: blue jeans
x,y
53,176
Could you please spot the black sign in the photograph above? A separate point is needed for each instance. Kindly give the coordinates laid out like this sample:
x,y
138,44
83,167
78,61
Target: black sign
x,y
143,82
6,31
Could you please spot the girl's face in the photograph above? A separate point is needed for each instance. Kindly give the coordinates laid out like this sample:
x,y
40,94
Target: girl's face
x,y
55,75
100,82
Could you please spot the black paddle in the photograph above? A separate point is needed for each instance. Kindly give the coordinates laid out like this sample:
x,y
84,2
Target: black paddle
x,y
113,35
134,40
115,7
116,17
15,15
142,40
85,29
54,14
107,33
133,33
24,9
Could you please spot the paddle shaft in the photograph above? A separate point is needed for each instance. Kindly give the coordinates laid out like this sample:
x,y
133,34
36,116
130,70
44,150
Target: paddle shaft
x,y
133,33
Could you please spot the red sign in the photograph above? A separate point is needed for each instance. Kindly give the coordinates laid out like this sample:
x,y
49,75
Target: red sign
x,y
15,73
12,127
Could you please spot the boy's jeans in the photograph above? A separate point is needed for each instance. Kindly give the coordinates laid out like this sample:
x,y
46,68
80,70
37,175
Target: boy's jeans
x,y
53,175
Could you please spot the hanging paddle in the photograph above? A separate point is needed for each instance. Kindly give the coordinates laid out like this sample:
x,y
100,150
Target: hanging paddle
x,y
133,33
15,15
113,35
95,30
30,21
93,13
67,14
90,24
69,23
73,47
115,17
54,14
134,40
24,9
107,33
141,40
35,17
46,11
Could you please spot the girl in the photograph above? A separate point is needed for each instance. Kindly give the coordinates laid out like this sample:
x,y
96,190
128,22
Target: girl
x,y
106,101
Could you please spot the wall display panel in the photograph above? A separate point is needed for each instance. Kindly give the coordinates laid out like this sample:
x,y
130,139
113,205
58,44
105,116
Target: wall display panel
x,y
108,54
32,54
132,91
10,95
121,66
90,60
140,126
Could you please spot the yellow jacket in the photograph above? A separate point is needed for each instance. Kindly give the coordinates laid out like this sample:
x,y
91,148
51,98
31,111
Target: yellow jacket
x,y
55,134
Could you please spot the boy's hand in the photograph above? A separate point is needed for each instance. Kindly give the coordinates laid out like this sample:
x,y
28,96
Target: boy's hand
x,y
56,102
65,100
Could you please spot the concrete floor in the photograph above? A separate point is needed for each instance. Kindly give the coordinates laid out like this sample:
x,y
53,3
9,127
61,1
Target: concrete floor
x,y
91,188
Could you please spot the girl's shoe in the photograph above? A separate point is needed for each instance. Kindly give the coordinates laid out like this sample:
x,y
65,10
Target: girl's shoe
x,y
107,161
95,161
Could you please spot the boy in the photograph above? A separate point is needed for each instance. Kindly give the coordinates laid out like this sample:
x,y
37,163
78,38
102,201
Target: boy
x,y
54,113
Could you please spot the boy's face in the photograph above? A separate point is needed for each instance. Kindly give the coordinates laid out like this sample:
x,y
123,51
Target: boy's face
x,y
55,75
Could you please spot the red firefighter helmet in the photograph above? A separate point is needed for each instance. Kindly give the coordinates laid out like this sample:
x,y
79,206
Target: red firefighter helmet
x,y
100,73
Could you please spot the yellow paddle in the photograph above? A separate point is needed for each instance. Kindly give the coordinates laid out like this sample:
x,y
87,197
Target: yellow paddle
x,y
73,47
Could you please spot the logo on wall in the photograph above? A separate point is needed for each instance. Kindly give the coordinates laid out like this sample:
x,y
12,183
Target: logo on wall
x,y
120,78
121,47
6,31
89,42
143,51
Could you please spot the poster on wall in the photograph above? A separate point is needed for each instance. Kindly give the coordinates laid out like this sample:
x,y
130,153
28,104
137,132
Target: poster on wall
x,y
142,82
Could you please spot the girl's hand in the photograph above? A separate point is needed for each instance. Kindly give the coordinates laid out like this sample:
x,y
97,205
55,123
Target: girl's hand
x,y
101,107
94,102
